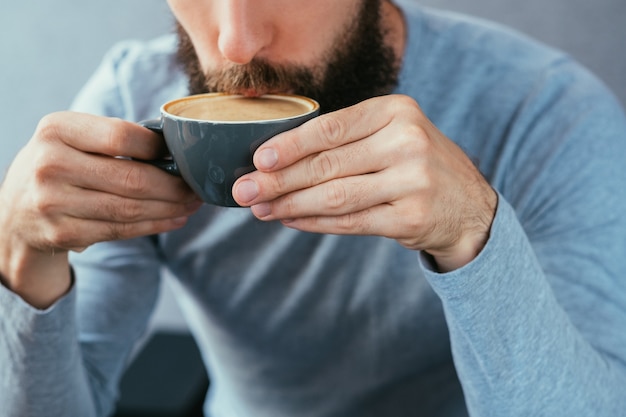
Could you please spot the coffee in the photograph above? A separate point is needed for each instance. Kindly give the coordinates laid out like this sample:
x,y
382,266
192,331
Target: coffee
x,y
227,108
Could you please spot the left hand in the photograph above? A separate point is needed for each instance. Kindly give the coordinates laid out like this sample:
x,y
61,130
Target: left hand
x,y
377,168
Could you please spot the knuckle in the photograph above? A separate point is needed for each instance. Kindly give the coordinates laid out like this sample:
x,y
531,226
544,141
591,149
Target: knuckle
x,y
323,166
115,136
134,181
43,203
279,183
414,141
336,195
352,223
330,130
128,210
48,127
60,237
415,133
288,205
44,169
117,231
402,101
404,106
295,143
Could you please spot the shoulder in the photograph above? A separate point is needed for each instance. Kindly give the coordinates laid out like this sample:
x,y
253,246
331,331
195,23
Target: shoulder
x,y
134,79
462,70
534,119
447,50
456,37
133,58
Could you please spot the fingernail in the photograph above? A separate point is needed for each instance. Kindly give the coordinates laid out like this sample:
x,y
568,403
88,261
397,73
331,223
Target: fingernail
x,y
247,190
266,158
261,210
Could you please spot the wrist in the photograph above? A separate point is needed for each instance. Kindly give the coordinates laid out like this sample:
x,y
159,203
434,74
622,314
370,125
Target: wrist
x,y
471,241
459,255
39,278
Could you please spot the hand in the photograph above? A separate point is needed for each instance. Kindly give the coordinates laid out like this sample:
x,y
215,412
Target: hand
x,y
377,168
66,191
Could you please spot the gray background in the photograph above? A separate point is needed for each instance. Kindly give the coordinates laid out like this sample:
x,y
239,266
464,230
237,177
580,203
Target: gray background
x,y
48,49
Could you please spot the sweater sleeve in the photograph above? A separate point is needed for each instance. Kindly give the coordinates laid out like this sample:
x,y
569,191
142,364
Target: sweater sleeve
x,y
42,373
538,320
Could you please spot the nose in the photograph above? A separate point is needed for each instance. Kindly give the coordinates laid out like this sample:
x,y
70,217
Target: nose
x,y
244,32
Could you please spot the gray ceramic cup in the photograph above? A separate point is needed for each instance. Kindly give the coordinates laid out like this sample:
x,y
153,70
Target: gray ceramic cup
x,y
212,137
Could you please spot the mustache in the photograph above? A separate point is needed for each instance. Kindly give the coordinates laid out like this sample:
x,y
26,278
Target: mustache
x,y
259,77
358,65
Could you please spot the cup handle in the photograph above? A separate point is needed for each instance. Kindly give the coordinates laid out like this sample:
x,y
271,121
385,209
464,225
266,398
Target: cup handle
x,y
167,164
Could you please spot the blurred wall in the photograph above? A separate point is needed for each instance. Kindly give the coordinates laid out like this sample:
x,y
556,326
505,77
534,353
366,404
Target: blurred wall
x,y
49,49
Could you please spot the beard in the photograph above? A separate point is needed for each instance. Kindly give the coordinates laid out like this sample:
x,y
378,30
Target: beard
x,y
360,66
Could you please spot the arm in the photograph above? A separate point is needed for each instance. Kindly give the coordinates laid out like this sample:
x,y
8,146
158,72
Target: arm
x,y
66,191
536,316
537,321
530,342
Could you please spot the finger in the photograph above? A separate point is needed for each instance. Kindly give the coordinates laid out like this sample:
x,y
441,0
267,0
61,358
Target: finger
x,y
77,234
92,205
125,178
381,220
328,131
102,135
373,221
333,198
387,148
361,157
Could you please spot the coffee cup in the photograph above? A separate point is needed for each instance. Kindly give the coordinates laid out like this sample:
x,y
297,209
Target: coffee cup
x,y
212,137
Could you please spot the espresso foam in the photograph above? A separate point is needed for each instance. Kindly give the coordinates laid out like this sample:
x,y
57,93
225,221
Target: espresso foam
x,y
238,108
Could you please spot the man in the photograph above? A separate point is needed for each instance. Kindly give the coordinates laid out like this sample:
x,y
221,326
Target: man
x,y
447,240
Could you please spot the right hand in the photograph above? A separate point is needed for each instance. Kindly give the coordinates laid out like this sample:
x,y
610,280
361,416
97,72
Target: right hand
x,y
66,190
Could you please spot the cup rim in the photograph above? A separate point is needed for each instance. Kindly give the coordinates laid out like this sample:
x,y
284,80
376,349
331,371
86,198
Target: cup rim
x,y
293,97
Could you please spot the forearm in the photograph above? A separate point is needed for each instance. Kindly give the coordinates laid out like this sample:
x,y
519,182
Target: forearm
x,y
517,351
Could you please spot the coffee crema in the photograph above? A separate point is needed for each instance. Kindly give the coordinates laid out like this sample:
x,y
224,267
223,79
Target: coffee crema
x,y
227,108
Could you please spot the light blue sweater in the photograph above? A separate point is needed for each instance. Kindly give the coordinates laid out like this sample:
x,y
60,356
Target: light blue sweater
x,y
298,324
